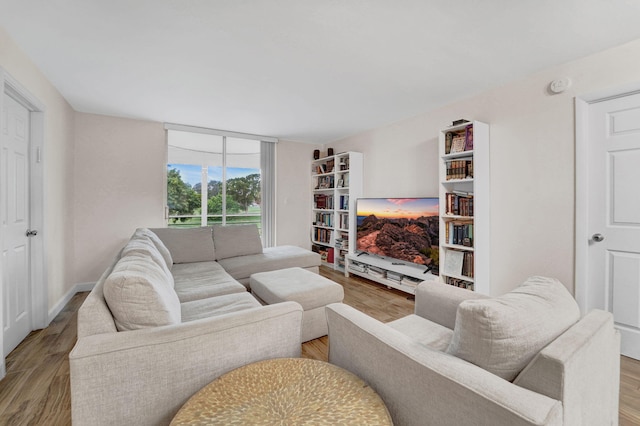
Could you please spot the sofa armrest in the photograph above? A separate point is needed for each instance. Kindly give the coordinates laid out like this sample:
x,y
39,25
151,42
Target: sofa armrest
x,y
143,377
581,368
421,386
439,302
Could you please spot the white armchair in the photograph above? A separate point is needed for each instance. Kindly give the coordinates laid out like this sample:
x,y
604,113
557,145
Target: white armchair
x,y
525,358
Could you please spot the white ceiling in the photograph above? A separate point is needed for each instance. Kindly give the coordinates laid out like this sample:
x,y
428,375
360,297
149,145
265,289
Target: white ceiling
x,y
302,70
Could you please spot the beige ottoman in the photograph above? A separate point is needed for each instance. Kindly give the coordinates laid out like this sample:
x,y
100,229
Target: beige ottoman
x,y
310,290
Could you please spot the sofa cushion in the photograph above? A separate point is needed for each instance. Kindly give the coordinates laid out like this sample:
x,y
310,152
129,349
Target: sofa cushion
x,y
142,245
139,295
236,240
271,259
503,334
162,249
423,331
188,244
220,305
200,280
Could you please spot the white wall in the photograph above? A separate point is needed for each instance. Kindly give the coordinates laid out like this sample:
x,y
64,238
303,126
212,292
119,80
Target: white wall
x,y
58,167
293,193
120,170
120,185
532,161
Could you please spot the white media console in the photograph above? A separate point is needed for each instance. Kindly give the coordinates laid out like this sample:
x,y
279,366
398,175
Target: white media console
x,y
393,273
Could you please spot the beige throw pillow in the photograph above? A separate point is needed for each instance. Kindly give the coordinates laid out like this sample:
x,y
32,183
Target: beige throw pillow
x,y
236,240
503,334
188,245
162,249
139,295
143,246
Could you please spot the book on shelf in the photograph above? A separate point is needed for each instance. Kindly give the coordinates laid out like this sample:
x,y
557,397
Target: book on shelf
x,y
324,219
322,235
453,262
342,241
344,202
323,201
457,143
459,233
459,169
448,139
459,205
330,165
325,182
457,282
410,281
468,142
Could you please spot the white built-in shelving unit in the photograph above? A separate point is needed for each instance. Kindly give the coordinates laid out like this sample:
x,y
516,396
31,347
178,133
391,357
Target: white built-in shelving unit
x,y
337,184
464,206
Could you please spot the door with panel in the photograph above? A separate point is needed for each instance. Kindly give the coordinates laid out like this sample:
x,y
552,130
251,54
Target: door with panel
x,y
15,211
614,214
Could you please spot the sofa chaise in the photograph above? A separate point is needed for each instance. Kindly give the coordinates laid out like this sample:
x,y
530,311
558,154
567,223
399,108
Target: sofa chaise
x,y
524,358
166,318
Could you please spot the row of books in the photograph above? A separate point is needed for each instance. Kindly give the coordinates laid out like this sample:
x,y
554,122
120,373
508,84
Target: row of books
x,y
323,201
459,169
326,167
459,205
342,241
322,235
344,202
325,182
343,181
460,233
324,219
343,220
459,283
459,141
459,263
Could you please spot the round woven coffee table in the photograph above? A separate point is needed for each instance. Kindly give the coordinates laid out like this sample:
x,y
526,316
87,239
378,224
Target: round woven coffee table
x,y
285,391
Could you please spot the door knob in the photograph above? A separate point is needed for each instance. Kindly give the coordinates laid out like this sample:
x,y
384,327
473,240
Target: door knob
x,y
31,233
597,237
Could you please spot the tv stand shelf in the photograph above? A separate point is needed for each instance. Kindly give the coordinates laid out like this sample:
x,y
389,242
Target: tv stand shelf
x,y
372,263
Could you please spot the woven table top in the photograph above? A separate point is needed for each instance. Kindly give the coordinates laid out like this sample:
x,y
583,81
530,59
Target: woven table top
x,y
285,391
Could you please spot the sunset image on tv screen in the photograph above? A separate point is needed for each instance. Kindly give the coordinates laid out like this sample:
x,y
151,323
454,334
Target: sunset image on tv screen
x,y
401,228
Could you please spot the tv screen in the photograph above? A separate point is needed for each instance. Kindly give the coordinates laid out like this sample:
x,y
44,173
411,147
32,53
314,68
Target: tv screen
x,y
400,228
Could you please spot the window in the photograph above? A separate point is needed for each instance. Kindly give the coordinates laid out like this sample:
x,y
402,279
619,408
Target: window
x,y
216,177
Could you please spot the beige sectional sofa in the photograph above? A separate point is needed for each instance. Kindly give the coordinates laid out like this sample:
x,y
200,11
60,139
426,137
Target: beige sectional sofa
x,y
166,318
524,358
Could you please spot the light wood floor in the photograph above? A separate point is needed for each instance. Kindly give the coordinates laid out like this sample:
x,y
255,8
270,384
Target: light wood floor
x,y
36,388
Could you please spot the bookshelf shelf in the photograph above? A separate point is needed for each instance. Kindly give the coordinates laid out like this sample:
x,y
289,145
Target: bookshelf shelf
x,y
464,206
457,247
336,184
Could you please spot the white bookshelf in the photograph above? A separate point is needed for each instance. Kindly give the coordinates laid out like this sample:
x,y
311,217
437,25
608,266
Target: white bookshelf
x,y
476,183
337,178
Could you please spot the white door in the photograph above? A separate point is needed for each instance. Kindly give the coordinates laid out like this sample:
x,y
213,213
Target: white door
x,y
14,198
614,214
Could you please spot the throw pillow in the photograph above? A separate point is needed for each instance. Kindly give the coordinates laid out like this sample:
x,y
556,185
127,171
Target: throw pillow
x,y
236,240
503,334
188,245
145,247
139,295
164,251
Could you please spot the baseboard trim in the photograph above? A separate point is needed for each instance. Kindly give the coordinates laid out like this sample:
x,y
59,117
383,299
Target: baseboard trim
x,y
80,287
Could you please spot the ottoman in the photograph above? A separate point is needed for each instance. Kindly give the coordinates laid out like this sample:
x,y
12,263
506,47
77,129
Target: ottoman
x,y
310,290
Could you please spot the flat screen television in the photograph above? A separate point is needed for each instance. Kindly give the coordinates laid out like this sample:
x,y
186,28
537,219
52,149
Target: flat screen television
x,y
405,229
